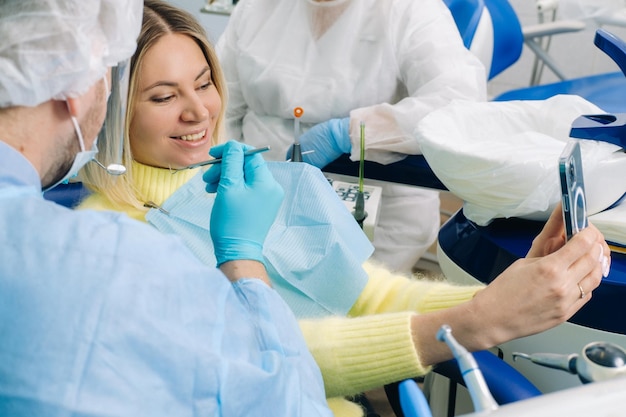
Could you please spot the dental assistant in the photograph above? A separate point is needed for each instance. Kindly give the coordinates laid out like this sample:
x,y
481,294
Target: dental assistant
x,y
101,314
385,63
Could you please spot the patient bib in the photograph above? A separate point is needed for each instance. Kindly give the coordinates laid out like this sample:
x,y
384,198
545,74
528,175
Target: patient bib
x,y
313,252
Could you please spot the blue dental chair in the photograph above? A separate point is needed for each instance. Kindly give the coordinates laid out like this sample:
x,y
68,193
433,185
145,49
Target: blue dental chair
x,y
506,38
506,384
491,29
68,195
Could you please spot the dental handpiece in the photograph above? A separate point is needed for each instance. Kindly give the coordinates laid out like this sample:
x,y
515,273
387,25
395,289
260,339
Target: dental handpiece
x,y
473,377
551,360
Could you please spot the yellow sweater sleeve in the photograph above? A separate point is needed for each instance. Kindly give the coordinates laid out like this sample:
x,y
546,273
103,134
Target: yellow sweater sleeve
x,y
358,354
376,346
387,292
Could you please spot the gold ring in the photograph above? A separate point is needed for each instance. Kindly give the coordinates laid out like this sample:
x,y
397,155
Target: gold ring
x,y
582,292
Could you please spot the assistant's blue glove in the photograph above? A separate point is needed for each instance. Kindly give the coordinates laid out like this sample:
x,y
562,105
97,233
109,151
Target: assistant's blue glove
x,y
247,201
329,140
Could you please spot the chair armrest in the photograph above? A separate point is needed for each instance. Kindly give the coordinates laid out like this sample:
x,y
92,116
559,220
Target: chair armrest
x,y
613,46
552,28
506,384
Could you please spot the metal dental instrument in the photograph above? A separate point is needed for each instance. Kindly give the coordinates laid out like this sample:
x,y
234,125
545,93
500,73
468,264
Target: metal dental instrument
x,y
473,377
596,362
296,151
150,204
112,169
218,160
116,106
359,212
550,360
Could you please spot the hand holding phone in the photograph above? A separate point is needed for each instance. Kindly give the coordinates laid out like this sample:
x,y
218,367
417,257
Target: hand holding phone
x,y
572,189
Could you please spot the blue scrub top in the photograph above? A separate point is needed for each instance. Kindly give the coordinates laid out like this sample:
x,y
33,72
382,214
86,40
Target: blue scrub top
x,y
102,315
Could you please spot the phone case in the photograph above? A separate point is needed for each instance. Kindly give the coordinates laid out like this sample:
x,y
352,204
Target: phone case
x,y
572,189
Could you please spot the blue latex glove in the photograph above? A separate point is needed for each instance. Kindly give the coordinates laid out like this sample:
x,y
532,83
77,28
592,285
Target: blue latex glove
x,y
329,140
246,204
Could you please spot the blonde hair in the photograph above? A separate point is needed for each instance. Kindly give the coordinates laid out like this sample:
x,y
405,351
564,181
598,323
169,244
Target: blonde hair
x,y
159,19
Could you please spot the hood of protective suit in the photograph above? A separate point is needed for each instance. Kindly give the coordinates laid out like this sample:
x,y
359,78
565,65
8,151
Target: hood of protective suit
x,y
56,49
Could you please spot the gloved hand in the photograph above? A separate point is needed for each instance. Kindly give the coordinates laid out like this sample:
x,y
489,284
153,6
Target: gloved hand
x,y
329,140
246,204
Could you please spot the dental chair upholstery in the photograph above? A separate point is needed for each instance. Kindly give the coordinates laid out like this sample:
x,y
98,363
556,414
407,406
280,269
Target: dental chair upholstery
x,y
491,29
507,385
68,195
505,39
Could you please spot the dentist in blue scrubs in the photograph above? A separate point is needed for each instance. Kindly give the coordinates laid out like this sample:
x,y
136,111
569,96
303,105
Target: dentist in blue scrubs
x,y
101,315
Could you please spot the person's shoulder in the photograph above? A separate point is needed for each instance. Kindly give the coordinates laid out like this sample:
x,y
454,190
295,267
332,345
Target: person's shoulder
x,y
130,241
246,7
411,9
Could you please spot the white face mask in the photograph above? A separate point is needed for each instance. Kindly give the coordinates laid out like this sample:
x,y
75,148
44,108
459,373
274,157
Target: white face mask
x,y
81,158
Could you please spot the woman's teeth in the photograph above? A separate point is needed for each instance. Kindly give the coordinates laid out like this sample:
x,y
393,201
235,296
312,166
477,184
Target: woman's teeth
x,y
193,137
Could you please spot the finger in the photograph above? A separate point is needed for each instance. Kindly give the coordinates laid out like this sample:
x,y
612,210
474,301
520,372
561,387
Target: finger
x,y
232,163
217,151
554,226
577,247
606,260
212,178
255,169
584,289
587,268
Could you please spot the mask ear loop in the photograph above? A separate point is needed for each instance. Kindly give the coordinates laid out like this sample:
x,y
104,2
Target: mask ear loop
x,y
79,133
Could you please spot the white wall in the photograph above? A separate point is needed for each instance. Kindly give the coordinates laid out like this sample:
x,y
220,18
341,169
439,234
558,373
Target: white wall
x,y
575,53
214,24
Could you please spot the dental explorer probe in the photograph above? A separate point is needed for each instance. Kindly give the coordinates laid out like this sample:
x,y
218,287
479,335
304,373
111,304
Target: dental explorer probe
x,y
218,160
473,377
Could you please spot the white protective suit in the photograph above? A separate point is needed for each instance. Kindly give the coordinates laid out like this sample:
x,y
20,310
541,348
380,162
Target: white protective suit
x,y
387,63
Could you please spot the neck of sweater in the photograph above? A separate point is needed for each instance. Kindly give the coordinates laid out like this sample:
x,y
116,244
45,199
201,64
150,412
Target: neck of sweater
x,y
158,184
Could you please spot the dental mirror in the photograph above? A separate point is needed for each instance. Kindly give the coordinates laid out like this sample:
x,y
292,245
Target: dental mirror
x,y
112,169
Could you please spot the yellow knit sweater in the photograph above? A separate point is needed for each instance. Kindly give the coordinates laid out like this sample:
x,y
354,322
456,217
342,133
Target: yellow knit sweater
x,y
372,347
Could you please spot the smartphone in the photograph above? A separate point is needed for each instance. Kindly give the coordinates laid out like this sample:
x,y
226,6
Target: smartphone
x,y
572,189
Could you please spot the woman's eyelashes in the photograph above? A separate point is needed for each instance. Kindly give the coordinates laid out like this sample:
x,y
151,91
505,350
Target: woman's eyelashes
x,y
165,98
